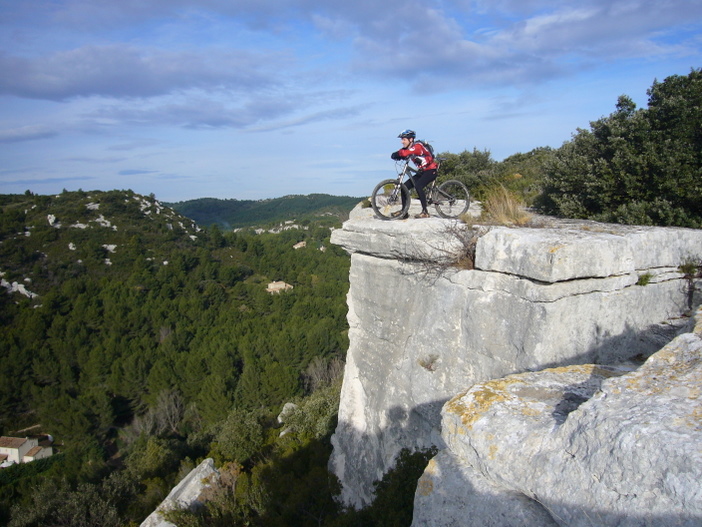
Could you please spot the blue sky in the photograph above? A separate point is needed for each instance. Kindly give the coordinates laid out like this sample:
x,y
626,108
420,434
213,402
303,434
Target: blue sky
x,y
259,99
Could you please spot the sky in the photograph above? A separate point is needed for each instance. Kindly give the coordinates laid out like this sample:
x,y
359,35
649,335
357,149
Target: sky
x,y
258,99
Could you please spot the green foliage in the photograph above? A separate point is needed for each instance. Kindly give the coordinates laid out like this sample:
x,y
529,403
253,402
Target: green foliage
x,y
86,506
522,173
240,436
58,501
19,471
476,169
644,279
394,494
146,332
18,479
691,267
315,417
49,490
153,457
294,489
635,166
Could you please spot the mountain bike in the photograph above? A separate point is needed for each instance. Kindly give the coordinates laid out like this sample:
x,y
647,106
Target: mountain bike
x,y
450,198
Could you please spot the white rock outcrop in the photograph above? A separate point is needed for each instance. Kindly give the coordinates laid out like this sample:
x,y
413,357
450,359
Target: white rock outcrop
x,y
574,446
287,411
184,495
537,298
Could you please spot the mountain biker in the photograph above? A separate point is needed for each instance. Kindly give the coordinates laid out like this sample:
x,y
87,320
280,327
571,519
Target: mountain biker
x,y
426,168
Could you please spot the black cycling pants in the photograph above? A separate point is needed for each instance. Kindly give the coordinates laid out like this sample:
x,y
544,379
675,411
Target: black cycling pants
x,y
418,183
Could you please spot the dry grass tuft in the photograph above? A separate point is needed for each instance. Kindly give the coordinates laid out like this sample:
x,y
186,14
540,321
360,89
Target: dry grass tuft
x,y
502,207
468,219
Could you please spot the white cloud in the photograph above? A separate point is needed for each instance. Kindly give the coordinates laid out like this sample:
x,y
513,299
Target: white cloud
x,y
121,70
478,42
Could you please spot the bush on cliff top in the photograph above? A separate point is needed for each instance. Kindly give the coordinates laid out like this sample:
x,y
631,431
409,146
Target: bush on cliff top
x,y
636,166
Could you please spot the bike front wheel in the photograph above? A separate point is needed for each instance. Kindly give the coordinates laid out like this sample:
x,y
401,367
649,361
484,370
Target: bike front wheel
x,y
388,198
452,199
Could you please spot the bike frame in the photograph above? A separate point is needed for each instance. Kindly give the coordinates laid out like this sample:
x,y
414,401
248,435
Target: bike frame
x,y
409,172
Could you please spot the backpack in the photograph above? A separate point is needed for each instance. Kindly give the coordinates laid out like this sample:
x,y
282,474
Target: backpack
x,y
428,147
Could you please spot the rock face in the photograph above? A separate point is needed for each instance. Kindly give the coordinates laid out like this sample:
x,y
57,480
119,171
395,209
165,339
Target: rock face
x,y
574,446
537,298
185,494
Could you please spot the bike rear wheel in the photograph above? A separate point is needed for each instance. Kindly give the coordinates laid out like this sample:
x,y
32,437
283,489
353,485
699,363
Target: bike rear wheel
x,y
451,199
387,199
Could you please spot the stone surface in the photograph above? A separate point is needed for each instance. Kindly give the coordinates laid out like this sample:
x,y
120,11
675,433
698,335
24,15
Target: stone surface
x,y
418,335
185,494
452,493
583,445
398,239
584,250
556,251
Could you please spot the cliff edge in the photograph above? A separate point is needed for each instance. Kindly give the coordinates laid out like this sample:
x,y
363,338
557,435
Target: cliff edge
x,y
422,331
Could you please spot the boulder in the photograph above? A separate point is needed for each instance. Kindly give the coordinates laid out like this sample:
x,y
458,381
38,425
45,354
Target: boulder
x,y
574,446
288,409
452,493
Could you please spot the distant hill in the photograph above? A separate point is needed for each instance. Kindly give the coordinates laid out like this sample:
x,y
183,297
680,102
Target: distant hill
x,y
46,241
234,213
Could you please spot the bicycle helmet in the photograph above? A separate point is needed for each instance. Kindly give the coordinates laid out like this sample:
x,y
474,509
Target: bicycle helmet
x,y
407,133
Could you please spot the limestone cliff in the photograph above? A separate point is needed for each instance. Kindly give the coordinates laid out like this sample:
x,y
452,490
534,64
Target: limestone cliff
x,y
421,333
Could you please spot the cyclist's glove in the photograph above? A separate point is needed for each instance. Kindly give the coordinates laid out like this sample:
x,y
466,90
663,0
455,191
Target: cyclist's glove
x,y
396,156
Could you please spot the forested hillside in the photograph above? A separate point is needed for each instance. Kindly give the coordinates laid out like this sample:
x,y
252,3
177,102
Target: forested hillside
x,y
143,344
234,213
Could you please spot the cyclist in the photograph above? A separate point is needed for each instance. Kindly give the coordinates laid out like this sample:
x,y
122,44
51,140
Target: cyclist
x,y
426,167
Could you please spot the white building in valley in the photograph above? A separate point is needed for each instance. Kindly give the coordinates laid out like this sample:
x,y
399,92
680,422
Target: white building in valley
x,y
277,287
22,450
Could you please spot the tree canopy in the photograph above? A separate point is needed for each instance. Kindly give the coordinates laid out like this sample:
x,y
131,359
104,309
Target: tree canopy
x,y
639,166
147,340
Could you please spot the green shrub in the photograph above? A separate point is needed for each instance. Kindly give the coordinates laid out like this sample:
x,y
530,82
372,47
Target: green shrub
x,y
636,166
315,418
240,436
644,279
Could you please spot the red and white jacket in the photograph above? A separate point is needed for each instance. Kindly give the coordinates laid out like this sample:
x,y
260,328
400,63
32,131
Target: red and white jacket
x,y
420,156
